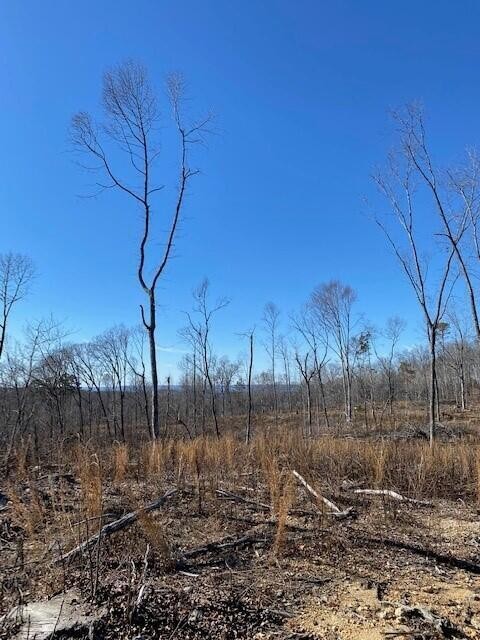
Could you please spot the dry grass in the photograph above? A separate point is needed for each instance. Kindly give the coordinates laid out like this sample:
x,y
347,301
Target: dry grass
x,y
260,471
449,470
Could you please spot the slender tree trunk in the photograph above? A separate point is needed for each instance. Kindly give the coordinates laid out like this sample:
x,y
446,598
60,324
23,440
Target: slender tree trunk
x,y
433,384
154,415
322,393
463,398
309,407
249,413
194,382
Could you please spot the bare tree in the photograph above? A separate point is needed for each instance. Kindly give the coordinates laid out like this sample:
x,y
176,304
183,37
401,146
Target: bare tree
x,y
284,351
456,352
248,432
307,372
333,305
198,333
224,374
132,117
313,333
393,331
455,198
113,349
399,188
16,274
271,315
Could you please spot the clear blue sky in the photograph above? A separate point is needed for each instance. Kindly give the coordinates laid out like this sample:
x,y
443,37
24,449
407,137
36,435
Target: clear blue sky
x,y
301,90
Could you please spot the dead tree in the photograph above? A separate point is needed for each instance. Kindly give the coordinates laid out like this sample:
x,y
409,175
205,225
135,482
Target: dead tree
x,y
271,314
16,273
249,387
132,119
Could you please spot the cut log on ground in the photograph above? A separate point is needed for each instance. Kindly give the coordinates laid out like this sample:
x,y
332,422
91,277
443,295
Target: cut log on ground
x,y
391,494
117,525
334,510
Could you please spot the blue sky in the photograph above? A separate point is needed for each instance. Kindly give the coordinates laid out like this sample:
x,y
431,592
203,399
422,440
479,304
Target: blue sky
x,y
301,91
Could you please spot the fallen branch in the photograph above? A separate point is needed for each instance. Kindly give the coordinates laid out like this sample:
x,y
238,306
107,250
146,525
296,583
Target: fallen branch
x,y
237,543
228,495
334,510
441,558
113,527
391,494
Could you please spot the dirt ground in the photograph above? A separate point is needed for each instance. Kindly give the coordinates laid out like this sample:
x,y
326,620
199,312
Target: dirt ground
x,y
353,578
369,576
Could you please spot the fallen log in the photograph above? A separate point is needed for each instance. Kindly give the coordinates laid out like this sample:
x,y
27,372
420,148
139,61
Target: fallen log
x,y
113,527
334,510
391,494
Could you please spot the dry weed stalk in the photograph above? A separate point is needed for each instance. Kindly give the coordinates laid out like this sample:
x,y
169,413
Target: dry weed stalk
x,y
89,473
284,505
120,462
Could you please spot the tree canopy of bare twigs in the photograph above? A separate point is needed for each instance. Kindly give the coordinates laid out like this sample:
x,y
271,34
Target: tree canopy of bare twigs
x,y
408,169
16,274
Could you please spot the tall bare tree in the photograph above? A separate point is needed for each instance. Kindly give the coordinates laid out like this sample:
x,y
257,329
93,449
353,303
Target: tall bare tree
x,y
399,185
248,432
16,274
131,123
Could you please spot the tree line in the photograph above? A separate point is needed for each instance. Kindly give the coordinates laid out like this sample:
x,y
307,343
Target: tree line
x,y
323,361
